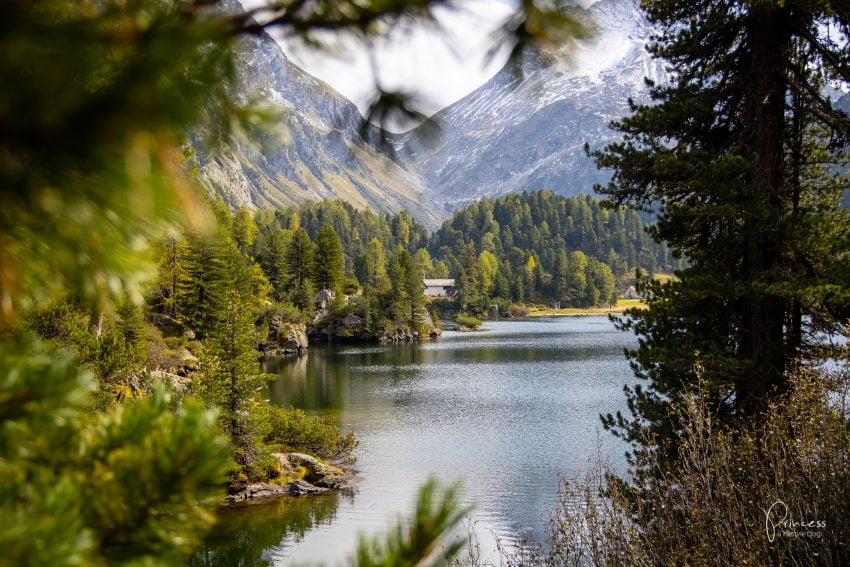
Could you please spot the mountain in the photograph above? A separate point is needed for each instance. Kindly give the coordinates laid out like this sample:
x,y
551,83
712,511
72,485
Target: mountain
x,y
315,151
514,135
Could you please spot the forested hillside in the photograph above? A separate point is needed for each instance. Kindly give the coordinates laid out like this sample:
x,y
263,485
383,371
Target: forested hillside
x,y
534,247
542,247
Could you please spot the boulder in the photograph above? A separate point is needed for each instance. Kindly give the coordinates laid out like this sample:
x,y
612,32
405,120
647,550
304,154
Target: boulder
x,y
324,298
319,473
301,487
254,491
319,477
175,381
188,361
352,322
285,337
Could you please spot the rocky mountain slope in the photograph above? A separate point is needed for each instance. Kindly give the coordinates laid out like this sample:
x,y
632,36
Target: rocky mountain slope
x,y
514,135
315,152
508,135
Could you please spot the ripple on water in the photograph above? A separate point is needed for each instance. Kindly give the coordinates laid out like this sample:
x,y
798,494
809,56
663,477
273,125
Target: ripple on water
x,y
506,411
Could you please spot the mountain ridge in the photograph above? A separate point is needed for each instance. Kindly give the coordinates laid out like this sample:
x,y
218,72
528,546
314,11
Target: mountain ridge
x,y
549,116
507,135
313,152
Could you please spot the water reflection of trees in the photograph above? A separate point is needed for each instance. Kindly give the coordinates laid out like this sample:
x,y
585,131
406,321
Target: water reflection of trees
x,y
243,534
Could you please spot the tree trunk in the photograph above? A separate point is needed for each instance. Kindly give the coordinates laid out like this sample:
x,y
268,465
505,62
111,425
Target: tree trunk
x,y
763,315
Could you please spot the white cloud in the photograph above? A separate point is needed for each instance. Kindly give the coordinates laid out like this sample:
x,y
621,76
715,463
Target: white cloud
x,y
440,65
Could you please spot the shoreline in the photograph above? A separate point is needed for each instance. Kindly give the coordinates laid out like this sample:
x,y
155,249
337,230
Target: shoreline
x,y
618,309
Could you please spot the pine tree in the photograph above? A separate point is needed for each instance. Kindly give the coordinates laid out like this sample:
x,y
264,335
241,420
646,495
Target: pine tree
x,y
424,263
576,277
204,281
272,259
559,276
401,300
415,291
328,260
232,377
488,266
299,265
729,152
133,331
172,253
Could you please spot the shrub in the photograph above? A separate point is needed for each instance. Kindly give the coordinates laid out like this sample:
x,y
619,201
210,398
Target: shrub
x,y
293,430
467,321
350,286
518,310
725,500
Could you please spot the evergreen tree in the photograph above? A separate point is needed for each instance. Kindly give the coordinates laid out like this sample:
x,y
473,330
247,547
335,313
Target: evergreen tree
x,y
559,276
204,281
376,266
244,229
271,255
299,265
577,278
132,329
729,151
467,293
415,291
172,253
488,266
400,266
232,377
328,261
424,263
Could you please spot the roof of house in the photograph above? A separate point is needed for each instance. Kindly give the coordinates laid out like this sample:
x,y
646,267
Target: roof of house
x,y
438,283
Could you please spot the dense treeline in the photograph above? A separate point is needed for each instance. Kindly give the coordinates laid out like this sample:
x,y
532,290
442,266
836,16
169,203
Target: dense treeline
x,y
541,247
544,223
534,247
362,257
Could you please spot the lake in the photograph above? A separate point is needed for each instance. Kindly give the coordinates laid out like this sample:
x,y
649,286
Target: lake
x,y
505,410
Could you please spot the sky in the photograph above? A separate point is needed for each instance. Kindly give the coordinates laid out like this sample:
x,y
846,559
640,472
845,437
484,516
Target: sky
x,y
440,66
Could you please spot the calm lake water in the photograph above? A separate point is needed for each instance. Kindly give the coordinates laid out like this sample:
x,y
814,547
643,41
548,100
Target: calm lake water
x,y
506,411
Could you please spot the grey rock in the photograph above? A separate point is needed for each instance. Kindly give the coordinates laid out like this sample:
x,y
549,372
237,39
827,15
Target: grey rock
x,y
302,487
285,337
324,298
525,133
175,381
315,151
256,491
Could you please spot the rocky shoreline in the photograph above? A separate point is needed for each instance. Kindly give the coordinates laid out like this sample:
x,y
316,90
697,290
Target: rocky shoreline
x,y
301,475
285,337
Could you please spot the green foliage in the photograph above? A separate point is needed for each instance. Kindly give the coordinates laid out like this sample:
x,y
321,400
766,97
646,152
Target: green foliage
x,y
468,322
90,166
139,475
244,229
427,537
733,152
299,266
113,349
541,247
293,430
328,262
232,378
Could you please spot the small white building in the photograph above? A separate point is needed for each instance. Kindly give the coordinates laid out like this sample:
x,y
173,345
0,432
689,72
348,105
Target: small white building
x,y
439,288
